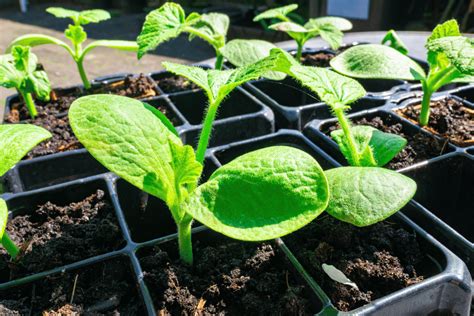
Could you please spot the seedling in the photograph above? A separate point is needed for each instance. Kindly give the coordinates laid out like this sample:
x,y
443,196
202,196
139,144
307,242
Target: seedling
x,y
169,21
329,28
18,70
76,34
261,195
450,58
15,141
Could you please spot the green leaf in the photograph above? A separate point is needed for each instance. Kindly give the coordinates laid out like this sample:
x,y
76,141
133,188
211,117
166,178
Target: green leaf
x,y
131,141
288,27
10,77
375,147
129,46
211,27
448,28
166,122
3,217
244,52
376,62
340,23
364,196
41,85
262,195
395,42
80,17
332,88
76,34
331,34
16,140
276,12
459,51
25,61
32,40
161,25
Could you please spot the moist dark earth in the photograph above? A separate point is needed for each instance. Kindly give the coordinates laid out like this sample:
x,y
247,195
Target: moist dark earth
x,y
380,259
419,146
228,278
174,84
449,118
52,235
320,59
106,288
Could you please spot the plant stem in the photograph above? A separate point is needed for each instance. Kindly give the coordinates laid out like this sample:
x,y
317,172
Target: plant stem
x,y
82,73
30,104
206,131
425,106
299,52
10,246
345,125
184,239
219,61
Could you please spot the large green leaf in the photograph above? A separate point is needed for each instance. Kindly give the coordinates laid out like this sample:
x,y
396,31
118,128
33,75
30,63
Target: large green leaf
x,y
375,147
276,12
448,28
459,51
262,195
211,27
3,216
244,52
340,23
129,140
332,88
161,25
16,140
377,62
36,40
364,196
331,34
395,42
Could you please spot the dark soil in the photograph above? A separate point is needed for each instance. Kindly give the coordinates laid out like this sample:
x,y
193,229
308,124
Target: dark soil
x,y
231,278
320,59
419,146
138,88
52,236
449,118
380,258
106,288
174,84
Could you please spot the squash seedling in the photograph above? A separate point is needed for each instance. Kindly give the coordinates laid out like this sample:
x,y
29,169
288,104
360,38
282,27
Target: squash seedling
x,y
169,21
76,34
19,70
261,195
450,58
329,28
16,140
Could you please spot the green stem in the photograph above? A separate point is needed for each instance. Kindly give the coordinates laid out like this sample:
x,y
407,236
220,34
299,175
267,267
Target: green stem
x,y
345,125
299,52
10,246
82,73
425,105
30,104
184,239
219,61
206,131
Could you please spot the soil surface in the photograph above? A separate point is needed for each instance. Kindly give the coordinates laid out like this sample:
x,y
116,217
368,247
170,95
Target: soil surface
x,y
449,118
52,236
230,278
174,84
419,146
105,288
133,87
380,259
320,59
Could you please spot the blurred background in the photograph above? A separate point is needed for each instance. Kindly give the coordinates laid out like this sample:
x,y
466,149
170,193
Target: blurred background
x,y
18,17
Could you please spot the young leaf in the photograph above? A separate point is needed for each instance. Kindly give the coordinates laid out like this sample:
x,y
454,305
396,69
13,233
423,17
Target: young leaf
x,y
161,25
448,28
261,195
376,62
279,13
288,27
395,42
331,34
39,84
63,13
363,196
337,275
16,140
76,34
129,140
459,51
375,147
340,23
80,17
244,52
212,27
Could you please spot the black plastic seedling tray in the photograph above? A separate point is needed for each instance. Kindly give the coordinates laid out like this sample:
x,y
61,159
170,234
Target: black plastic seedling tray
x,y
447,290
